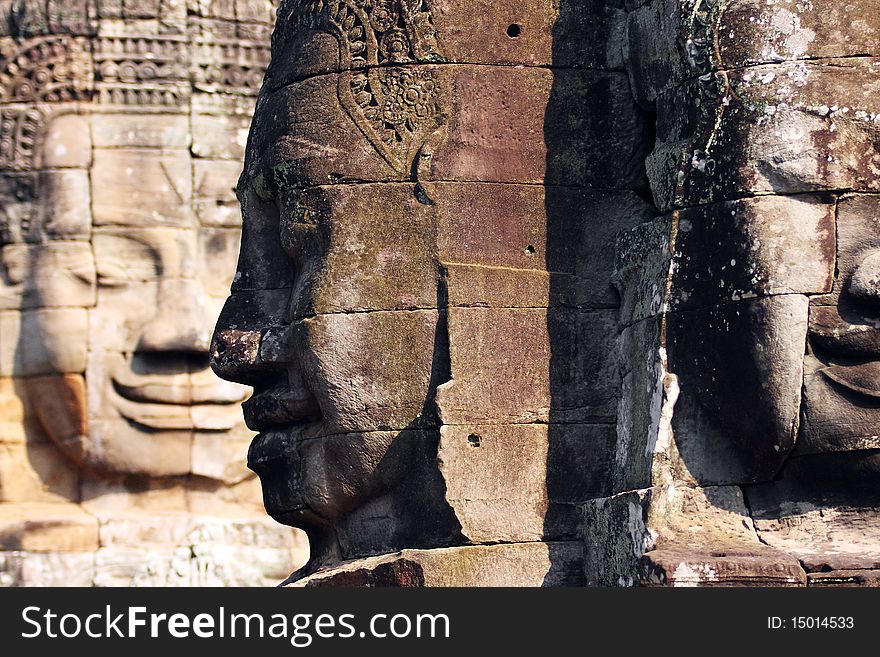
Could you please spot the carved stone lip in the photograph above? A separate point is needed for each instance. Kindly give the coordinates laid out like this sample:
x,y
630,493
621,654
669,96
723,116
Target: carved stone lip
x,y
165,402
846,339
176,390
178,417
276,444
862,378
279,407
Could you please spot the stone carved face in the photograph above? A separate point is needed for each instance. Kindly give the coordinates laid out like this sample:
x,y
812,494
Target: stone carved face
x,y
333,315
414,204
121,142
789,267
141,298
842,369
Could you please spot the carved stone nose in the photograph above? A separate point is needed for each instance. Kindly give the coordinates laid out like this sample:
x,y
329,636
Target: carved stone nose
x,y
865,283
180,322
235,353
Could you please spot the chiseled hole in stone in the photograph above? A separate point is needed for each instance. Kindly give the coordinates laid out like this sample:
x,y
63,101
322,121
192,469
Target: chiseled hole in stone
x,y
474,440
514,30
530,249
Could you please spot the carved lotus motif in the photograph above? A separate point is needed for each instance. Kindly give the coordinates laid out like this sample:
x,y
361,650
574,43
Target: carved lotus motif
x,y
397,110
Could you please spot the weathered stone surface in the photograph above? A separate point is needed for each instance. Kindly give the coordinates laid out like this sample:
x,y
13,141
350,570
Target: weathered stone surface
x,y
68,143
445,269
141,188
36,473
558,467
546,382
756,567
647,393
484,32
393,387
757,135
48,205
840,410
12,414
824,526
671,41
745,355
214,199
566,231
61,347
379,488
223,459
528,564
845,578
838,413
47,568
47,276
759,108
47,528
472,130
220,137
132,567
727,252
216,249
680,536
140,131
331,232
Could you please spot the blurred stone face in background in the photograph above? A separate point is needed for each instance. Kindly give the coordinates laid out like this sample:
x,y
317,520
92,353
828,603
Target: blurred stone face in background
x,y
123,129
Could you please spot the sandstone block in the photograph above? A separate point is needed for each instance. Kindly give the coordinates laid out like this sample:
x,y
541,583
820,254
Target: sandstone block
x,y
46,276
726,252
568,127
145,567
221,457
845,578
523,564
220,137
558,468
140,131
68,143
771,131
543,34
668,45
214,198
59,345
745,355
556,377
141,188
350,256
45,205
47,569
217,250
36,473
47,528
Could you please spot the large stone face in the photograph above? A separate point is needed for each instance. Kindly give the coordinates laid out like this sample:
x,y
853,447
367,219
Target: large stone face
x,y
749,319
123,128
432,347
